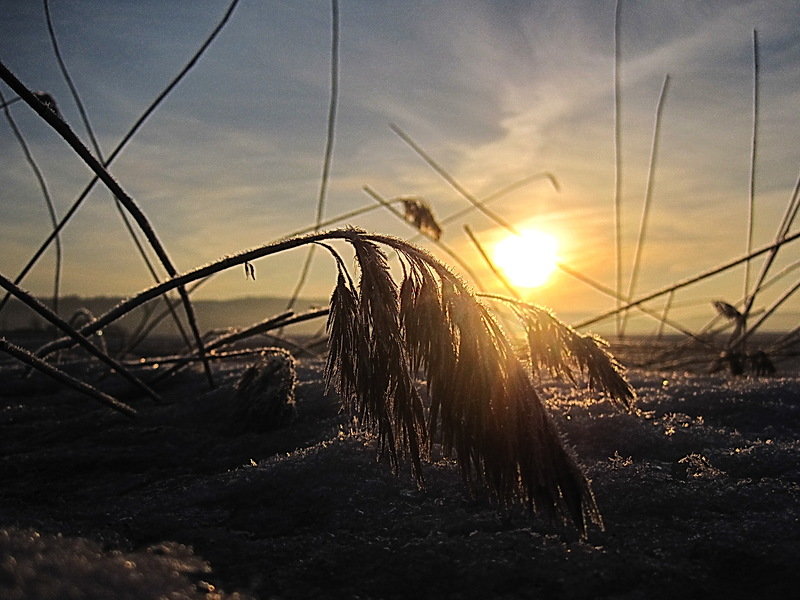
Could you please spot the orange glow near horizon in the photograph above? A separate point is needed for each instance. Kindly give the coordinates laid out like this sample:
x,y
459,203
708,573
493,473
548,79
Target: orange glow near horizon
x,y
528,259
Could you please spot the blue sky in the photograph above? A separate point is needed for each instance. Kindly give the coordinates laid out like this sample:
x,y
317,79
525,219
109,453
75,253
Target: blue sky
x,y
495,91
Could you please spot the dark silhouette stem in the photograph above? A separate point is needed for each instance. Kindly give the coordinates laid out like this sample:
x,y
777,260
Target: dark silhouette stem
x,y
77,146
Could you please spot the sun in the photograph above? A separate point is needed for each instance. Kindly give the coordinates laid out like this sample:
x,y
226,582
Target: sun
x,y
528,259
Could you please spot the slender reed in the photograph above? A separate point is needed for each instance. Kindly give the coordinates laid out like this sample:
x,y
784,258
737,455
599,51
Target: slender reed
x,y
76,336
648,197
96,145
121,145
783,229
234,336
617,163
490,263
47,199
448,178
130,205
689,281
752,187
387,204
5,103
29,359
326,163
667,307
746,335
197,274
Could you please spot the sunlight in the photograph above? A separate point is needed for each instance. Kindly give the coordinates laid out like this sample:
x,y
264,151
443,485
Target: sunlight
x,y
528,259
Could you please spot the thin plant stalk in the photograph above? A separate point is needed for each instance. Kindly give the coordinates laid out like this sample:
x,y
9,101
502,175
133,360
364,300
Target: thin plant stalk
x,y
490,263
785,226
5,103
691,280
783,230
667,307
444,247
232,337
47,199
495,196
448,178
197,274
39,308
130,205
96,145
617,163
767,313
34,362
753,150
121,145
648,198
510,228
328,158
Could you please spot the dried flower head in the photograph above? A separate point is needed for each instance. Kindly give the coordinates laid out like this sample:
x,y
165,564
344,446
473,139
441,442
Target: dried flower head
x,y
477,399
418,212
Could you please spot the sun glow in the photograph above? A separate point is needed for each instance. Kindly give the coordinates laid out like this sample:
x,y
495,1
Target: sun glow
x,y
528,259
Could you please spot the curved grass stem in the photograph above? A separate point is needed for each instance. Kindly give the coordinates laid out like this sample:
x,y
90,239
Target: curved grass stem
x,y
130,205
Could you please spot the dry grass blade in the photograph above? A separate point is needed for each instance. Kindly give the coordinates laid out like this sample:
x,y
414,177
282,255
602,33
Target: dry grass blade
x,y
43,97
387,204
77,337
227,339
691,280
29,359
74,142
490,263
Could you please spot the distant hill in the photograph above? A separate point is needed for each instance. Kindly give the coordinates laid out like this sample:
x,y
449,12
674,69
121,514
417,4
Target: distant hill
x,y
211,314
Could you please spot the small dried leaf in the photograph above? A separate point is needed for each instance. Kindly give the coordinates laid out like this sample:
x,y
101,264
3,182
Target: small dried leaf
x,y
249,271
727,310
419,213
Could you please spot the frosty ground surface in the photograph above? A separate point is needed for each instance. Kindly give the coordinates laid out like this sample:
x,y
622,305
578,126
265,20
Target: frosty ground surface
x,y
700,494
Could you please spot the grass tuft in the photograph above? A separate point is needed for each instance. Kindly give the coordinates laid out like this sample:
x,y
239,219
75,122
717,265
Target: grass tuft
x,y
478,403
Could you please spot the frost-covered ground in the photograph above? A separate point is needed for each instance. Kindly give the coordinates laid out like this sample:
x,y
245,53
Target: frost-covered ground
x,y
700,494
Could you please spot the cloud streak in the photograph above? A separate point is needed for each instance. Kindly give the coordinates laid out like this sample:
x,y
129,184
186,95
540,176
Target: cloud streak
x,y
495,91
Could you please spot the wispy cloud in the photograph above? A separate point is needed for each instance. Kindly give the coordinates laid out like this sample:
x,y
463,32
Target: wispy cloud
x,y
494,90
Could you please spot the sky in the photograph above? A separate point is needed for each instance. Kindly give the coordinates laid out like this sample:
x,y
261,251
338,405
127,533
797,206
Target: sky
x,y
493,91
